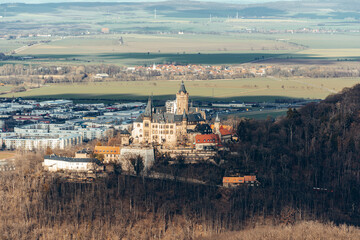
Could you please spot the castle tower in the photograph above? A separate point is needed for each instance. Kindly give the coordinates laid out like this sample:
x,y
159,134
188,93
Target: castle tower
x,y
184,126
182,100
184,119
147,121
217,124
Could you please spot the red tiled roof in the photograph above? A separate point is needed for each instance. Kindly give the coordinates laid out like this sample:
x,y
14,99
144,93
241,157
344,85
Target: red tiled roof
x,y
224,131
207,138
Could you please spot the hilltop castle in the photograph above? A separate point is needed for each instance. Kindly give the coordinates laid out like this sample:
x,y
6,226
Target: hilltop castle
x,y
170,124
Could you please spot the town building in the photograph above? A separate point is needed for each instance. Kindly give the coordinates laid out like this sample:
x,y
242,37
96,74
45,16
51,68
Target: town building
x,y
55,163
237,181
224,132
85,153
36,141
207,141
111,153
123,155
87,133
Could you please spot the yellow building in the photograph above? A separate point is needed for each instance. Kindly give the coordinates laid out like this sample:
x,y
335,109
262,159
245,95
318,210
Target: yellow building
x,y
111,154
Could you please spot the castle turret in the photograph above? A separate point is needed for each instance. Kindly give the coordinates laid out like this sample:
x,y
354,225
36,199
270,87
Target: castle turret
x,y
184,118
217,124
148,109
182,100
147,121
184,125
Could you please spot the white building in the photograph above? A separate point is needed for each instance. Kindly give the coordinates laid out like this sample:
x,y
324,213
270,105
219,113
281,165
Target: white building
x,y
88,133
170,106
36,141
60,102
55,163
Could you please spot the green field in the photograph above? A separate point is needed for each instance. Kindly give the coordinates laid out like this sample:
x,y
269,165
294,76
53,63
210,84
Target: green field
x,y
147,49
144,49
6,88
257,89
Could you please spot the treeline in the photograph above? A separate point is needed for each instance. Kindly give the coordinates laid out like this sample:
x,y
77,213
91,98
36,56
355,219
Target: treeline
x,y
336,71
19,74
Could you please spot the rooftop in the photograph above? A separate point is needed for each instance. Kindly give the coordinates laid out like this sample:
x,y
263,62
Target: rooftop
x,y
67,159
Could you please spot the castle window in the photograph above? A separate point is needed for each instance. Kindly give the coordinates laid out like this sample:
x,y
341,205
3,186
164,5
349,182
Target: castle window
x,y
138,124
146,124
171,126
171,132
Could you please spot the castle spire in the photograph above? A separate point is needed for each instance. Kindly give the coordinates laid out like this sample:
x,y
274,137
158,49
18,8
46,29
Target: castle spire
x,y
217,119
184,116
182,87
148,109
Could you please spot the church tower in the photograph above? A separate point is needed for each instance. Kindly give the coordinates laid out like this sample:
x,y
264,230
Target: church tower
x,y
182,100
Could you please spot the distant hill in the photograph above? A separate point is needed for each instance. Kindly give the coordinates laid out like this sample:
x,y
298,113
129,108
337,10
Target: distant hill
x,y
200,9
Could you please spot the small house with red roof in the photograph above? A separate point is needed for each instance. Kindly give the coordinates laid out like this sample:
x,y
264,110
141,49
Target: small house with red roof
x,y
225,132
206,141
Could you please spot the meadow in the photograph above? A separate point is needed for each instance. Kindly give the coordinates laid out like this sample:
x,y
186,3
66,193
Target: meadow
x,y
252,89
154,48
144,49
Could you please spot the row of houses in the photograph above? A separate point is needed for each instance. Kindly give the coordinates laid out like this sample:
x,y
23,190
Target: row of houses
x,y
201,69
56,136
84,162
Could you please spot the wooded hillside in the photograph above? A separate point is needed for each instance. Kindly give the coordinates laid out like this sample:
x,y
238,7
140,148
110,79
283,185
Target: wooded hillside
x,y
307,163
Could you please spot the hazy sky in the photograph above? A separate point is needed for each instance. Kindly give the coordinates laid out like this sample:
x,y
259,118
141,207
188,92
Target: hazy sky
x,y
42,1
